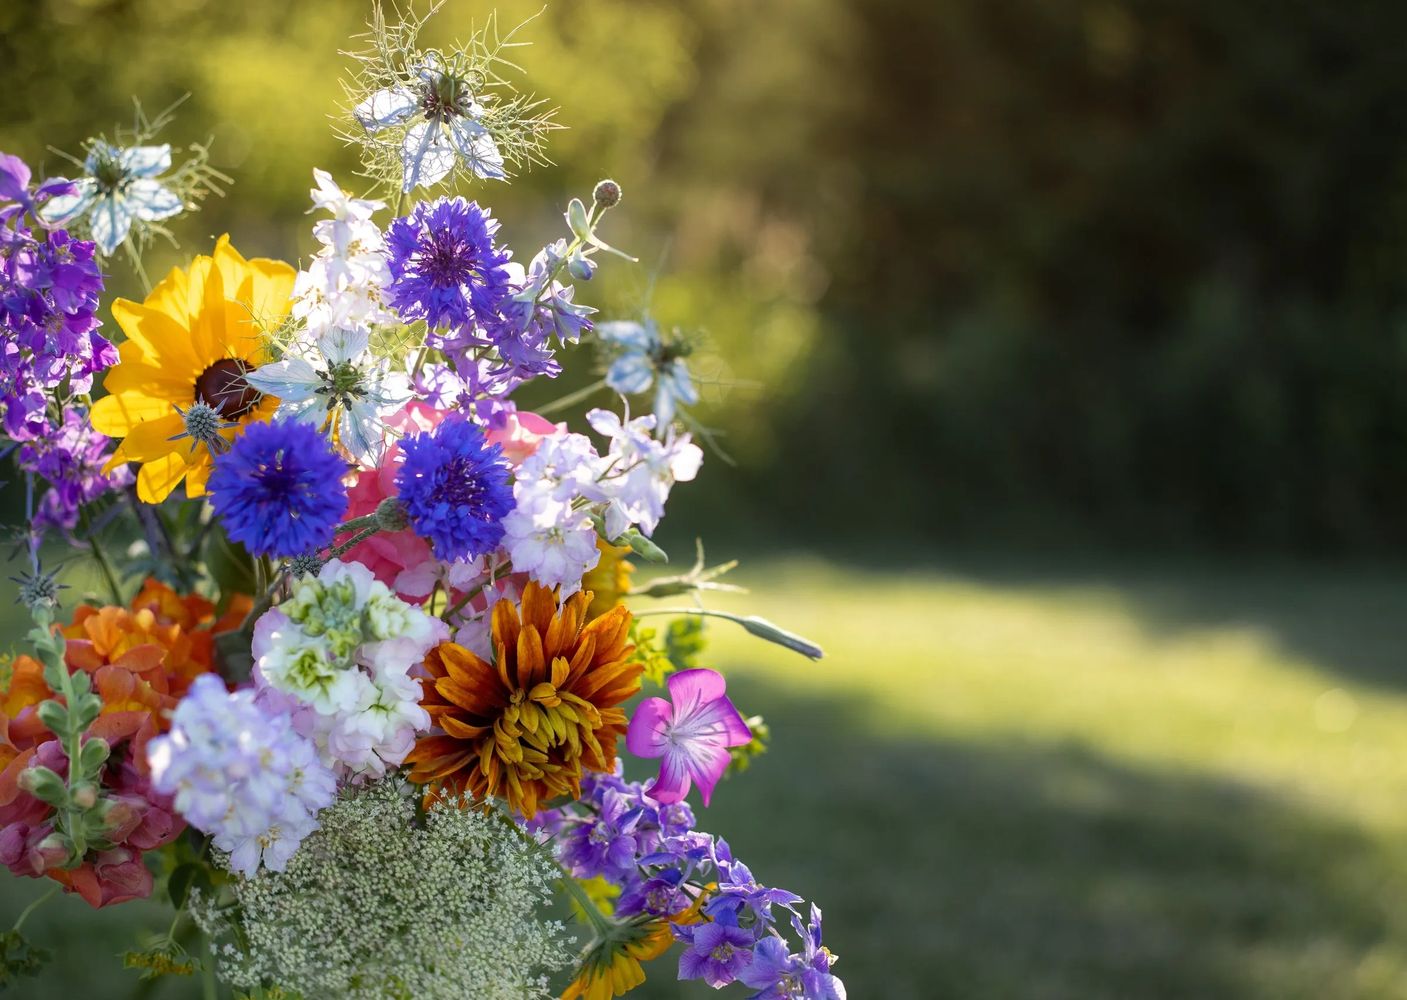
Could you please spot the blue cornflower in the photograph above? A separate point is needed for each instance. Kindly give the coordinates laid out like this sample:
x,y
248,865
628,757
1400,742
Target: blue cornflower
x,y
279,489
445,268
454,489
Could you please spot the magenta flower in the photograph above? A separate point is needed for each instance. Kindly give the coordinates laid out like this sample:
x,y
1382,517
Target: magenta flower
x,y
692,735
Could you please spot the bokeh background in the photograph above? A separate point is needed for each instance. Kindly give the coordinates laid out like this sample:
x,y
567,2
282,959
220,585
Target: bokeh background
x,y
1060,349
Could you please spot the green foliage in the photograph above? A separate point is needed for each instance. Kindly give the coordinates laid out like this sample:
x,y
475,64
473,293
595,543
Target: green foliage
x,y
679,648
743,756
19,958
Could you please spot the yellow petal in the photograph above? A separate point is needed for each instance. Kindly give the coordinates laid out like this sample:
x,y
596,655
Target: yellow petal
x,y
163,342
151,439
156,479
116,415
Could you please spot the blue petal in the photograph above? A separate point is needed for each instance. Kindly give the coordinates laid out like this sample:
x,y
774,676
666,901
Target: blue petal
x,y
630,374
60,209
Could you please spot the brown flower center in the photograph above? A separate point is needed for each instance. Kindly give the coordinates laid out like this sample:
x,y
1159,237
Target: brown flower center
x,y
223,388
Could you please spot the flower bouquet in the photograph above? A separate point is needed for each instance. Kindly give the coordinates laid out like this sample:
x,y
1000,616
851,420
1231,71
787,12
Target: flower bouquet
x,y
355,695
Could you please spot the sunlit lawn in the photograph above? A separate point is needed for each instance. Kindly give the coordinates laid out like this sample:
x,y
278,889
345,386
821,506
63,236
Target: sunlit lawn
x,y
1181,782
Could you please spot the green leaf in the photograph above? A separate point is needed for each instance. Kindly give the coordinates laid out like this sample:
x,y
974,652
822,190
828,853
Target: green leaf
x,y
19,958
178,886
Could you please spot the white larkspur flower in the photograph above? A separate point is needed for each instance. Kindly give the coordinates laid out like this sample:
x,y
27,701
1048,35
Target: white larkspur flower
x,y
643,358
445,126
343,285
343,386
120,187
643,469
549,540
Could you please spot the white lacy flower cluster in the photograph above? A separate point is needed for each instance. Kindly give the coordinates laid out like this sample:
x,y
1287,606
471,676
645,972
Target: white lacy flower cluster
x,y
377,905
338,655
550,534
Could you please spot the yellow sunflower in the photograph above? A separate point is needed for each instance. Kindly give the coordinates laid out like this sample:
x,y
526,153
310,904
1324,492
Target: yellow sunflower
x,y
187,350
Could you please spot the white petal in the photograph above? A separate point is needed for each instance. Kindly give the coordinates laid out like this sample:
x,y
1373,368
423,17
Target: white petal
x,y
339,345
146,161
478,149
151,200
58,210
386,107
361,433
111,221
292,380
425,156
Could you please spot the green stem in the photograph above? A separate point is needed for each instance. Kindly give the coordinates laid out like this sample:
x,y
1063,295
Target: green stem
x,y
599,922
572,398
24,914
353,542
207,983
109,574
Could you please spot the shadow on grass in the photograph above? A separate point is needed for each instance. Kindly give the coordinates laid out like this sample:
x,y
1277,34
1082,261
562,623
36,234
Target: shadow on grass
x,y
951,870
959,870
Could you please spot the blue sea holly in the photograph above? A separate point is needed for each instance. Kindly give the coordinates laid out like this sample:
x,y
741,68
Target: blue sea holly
x,y
444,125
120,187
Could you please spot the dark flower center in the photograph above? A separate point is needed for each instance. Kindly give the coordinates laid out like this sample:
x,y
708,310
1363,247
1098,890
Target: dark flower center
x,y
448,261
459,486
280,479
223,388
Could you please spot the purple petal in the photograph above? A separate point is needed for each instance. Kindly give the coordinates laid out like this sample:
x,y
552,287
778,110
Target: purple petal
x,y
14,178
672,784
721,721
645,737
690,688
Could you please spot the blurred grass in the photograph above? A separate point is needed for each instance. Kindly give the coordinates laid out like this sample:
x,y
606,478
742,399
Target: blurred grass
x,y
1172,781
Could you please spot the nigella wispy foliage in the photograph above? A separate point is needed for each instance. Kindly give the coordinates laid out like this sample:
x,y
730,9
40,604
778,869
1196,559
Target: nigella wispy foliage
x,y
378,905
423,116
126,187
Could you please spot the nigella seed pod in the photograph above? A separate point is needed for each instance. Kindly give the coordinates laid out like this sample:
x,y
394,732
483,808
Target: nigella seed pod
x,y
606,194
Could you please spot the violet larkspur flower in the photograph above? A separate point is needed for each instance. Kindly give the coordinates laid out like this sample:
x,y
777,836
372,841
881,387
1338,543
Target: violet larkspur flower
x,y
454,490
71,458
692,735
241,773
445,268
279,489
777,974
717,953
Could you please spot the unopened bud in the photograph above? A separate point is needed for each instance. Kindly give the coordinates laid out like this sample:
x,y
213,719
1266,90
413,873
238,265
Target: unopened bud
x,y
51,852
85,796
606,194
44,784
390,515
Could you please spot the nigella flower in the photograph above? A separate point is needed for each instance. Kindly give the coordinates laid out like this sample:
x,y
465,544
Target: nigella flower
x,y
344,390
641,358
120,187
278,490
445,268
692,735
446,125
454,490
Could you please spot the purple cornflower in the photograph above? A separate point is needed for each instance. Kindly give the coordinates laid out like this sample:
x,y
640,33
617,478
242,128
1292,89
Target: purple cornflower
x,y
70,458
692,735
278,490
445,268
454,489
717,952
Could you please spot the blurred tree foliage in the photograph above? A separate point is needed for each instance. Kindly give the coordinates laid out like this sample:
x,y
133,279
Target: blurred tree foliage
x,y
1132,266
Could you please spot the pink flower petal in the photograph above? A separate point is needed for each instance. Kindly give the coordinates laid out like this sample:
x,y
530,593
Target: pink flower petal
x,y
646,735
672,784
706,766
691,688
